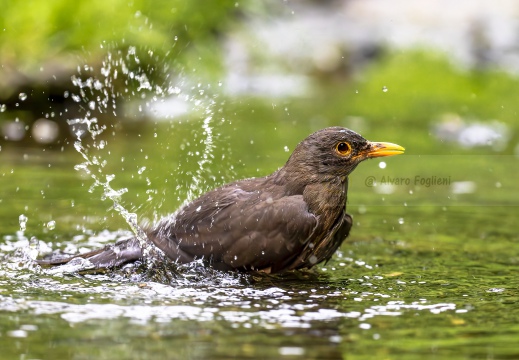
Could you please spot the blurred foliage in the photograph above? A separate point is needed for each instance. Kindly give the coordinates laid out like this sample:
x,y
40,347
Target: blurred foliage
x,y
35,32
43,43
421,84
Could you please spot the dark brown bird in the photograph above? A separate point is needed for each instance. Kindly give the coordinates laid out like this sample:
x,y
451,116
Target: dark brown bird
x,y
294,218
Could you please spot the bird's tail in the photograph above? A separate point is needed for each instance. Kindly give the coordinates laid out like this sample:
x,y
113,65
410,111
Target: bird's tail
x,y
120,253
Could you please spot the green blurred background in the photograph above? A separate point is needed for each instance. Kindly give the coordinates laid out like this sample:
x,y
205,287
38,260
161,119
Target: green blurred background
x,y
301,47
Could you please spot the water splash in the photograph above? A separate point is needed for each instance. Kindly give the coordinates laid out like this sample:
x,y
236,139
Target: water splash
x,y
99,94
22,219
109,192
201,102
207,155
51,225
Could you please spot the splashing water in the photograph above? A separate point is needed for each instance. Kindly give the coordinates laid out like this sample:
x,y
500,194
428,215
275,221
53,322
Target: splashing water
x,y
99,95
199,100
22,219
207,155
51,225
112,194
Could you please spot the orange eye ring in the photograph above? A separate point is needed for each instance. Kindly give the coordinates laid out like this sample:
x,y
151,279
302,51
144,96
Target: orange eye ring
x,y
343,148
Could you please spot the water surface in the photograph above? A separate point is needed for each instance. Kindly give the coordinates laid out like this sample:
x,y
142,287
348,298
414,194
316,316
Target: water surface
x,y
428,271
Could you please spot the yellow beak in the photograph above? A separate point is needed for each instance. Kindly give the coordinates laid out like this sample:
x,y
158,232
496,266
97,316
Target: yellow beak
x,y
378,149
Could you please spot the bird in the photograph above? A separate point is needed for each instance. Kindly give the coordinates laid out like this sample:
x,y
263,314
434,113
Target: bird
x,y
294,218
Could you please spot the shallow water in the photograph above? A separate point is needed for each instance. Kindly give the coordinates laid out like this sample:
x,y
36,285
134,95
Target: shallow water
x,y
428,271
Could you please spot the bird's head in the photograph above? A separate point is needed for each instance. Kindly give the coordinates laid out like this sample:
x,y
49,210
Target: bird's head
x,y
335,152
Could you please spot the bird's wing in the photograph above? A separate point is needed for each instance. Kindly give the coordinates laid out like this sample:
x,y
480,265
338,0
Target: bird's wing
x,y
236,228
340,233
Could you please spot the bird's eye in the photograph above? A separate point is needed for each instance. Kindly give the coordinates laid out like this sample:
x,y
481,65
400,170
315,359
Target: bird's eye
x,y
343,148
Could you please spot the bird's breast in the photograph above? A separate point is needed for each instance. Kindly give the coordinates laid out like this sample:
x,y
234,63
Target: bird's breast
x,y
326,200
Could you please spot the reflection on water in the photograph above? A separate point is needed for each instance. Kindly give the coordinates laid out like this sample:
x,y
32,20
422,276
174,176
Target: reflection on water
x,y
315,301
284,315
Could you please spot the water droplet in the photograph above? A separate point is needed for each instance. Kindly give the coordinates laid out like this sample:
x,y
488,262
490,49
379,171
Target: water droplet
x,y
498,185
109,178
411,192
22,96
219,83
92,105
22,219
382,165
131,218
141,170
384,88
2,107
286,149
356,91
51,225
401,221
